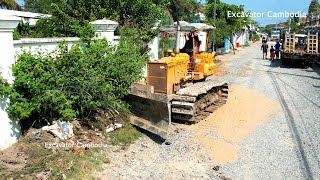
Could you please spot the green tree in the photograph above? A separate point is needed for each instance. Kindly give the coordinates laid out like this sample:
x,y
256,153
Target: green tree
x,y
10,4
314,7
39,6
268,28
183,9
226,25
72,17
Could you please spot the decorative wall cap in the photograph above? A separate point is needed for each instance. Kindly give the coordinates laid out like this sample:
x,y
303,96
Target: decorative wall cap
x,y
45,40
104,25
8,23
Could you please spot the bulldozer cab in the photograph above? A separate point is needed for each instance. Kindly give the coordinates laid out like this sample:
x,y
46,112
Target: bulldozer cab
x,y
191,38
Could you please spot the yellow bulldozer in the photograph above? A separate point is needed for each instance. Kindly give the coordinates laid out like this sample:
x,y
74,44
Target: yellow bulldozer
x,y
177,86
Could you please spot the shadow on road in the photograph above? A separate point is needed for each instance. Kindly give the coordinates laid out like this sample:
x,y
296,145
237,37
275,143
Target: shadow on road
x,y
277,64
315,68
155,138
299,75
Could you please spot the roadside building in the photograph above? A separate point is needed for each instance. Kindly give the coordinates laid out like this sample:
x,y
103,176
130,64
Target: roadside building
x,y
26,17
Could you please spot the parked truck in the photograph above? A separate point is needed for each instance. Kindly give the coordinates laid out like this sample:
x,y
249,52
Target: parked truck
x,y
275,33
300,48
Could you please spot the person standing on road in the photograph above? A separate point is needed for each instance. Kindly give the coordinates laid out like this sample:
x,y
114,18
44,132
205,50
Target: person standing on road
x,y
264,49
272,53
277,49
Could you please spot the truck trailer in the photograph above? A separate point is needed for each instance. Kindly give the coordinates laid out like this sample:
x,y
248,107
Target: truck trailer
x,y
300,48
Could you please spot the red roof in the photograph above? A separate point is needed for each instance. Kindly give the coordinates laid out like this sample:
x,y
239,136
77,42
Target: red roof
x,y
281,25
303,21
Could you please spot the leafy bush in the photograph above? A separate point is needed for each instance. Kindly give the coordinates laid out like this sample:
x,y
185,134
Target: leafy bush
x,y
65,84
254,36
53,27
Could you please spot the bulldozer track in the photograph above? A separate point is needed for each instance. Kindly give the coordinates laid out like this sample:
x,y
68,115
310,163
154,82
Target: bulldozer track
x,y
195,102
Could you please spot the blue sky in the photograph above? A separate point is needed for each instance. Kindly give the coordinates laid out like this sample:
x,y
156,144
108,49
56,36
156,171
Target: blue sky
x,y
271,5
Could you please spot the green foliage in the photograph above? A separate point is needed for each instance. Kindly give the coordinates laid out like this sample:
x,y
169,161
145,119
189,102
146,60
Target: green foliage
x,y
183,9
254,36
24,30
220,33
4,88
225,25
10,4
39,6
77,83
16,35
66,21
71,17
314,7
295,28
246,45
140,14
76,165
124,135
268,28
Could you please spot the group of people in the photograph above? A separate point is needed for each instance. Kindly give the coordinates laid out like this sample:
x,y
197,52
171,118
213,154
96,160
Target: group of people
x,y
274,50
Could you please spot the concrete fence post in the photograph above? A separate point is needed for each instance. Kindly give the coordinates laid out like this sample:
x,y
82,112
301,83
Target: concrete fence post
x,y
9,130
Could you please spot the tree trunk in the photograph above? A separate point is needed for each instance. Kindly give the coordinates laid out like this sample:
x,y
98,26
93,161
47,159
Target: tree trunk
x,y
234,50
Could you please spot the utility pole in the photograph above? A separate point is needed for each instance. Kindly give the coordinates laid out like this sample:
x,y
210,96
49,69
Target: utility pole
x,y
289,25
215,10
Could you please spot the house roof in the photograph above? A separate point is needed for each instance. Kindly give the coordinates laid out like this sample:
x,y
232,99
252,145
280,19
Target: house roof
x,y
185,26
6,12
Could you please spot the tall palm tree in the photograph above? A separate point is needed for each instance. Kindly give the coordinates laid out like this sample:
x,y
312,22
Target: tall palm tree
x,y
10,4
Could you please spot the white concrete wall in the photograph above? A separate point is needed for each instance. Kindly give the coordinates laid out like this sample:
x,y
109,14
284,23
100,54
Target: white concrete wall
x,y
242,39
41,44
9,129
154,48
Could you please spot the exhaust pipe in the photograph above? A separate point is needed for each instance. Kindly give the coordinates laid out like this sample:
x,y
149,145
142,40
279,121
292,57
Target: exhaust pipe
x,y
177,50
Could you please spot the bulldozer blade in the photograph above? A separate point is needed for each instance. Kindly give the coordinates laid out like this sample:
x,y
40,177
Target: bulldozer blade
x,y
151,111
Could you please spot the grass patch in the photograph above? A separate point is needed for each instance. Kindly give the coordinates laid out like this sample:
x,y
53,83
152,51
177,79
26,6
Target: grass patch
x,y
78,165
124,135
64,165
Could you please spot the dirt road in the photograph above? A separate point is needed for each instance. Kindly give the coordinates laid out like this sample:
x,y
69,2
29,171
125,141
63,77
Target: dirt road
x,y
269,129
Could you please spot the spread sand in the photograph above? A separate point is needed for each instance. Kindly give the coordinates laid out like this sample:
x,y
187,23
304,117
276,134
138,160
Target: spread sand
x,y
221,72
229,125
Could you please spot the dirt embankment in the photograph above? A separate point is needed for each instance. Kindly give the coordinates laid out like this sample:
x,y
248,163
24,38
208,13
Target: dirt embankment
x,y
223,130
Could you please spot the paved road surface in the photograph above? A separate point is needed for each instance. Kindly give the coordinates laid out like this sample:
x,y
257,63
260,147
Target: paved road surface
x,y
288,147
284,145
